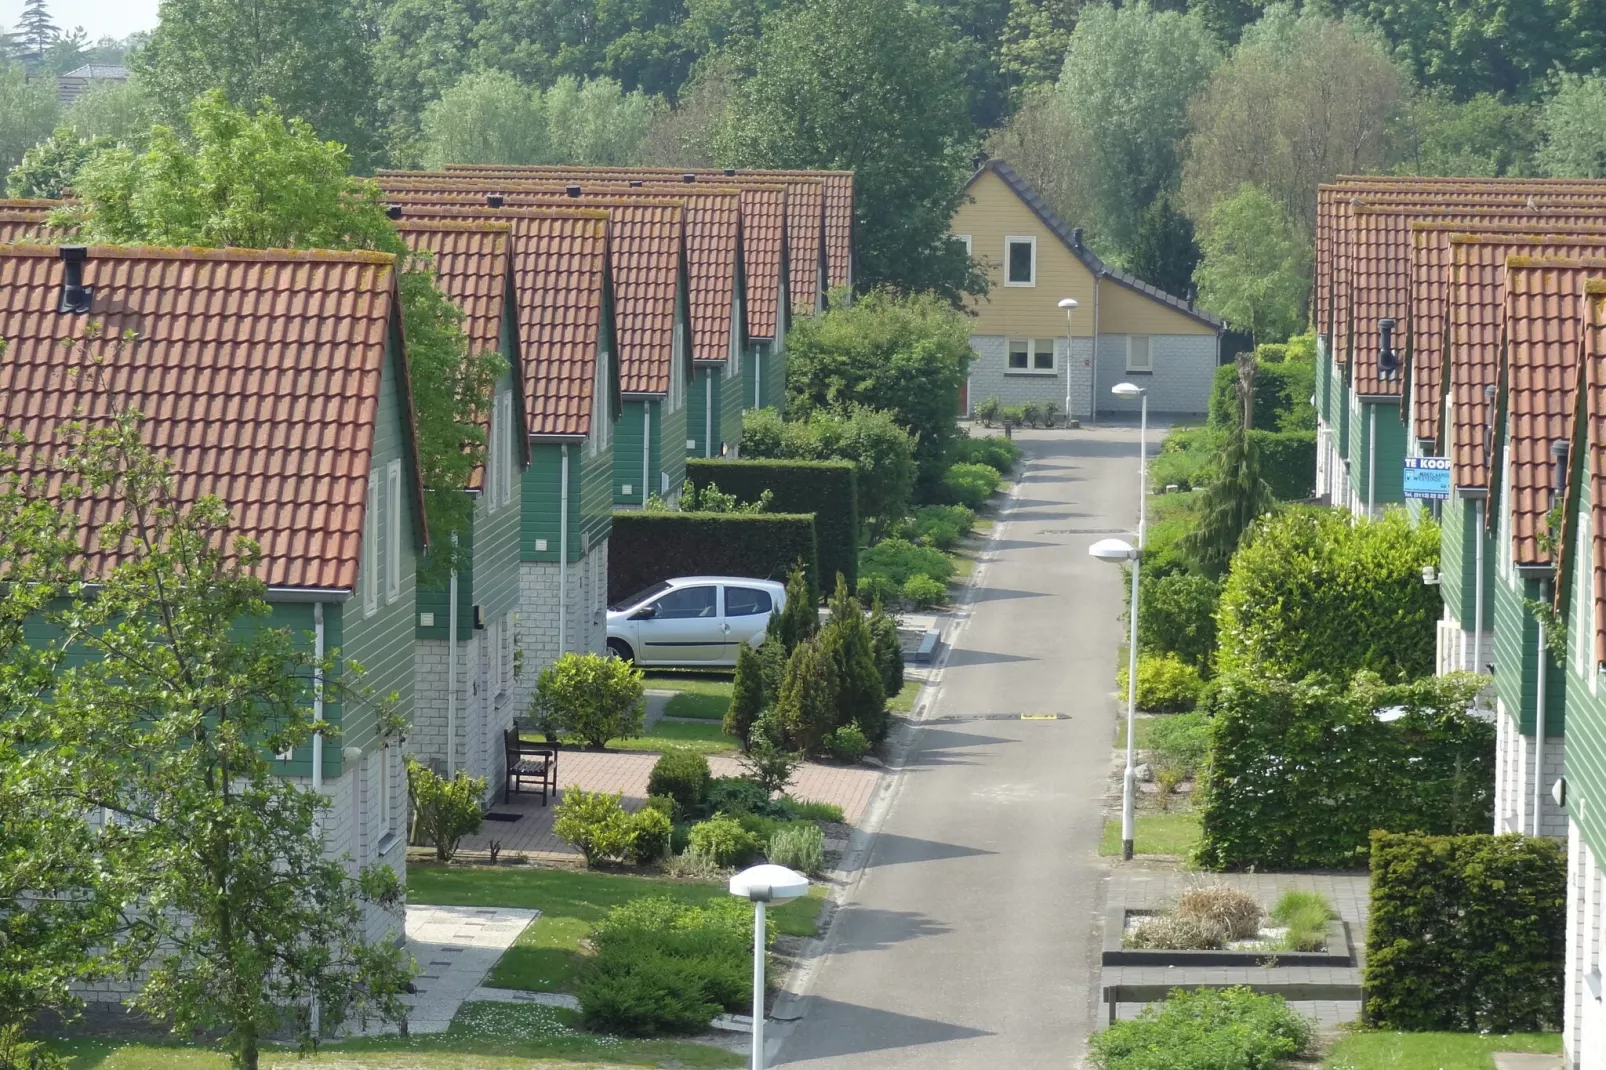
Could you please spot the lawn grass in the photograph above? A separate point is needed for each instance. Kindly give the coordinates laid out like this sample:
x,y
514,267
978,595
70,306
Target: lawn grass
x,y
1157,834
546,956
497,1036
904,700
1431,1051
704,695
705,737
1145,724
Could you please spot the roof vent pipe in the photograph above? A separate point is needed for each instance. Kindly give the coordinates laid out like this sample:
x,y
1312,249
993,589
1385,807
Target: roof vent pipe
x,y
1076,237
1488,425
393,211
75,296
688,177
493,200
730,172
573,191
1388,361
1558,483
636,183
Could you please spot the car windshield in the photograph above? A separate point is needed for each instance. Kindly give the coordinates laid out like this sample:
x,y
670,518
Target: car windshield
x,y
641,596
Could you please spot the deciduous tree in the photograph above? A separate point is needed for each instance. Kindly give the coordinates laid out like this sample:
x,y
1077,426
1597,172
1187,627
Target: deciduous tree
x,y
29,111
1573,122
1256,265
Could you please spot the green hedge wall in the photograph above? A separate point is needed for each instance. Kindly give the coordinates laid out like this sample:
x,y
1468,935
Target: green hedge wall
x,y
1300,774
828,489
647,547
1287,462
1466,933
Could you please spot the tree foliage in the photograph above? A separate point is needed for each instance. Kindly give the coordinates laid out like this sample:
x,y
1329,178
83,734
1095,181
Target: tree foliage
x,y
1255,270
28,113
1163,251
1573,122
1238,496
491,117
1483,136
49,168
848,642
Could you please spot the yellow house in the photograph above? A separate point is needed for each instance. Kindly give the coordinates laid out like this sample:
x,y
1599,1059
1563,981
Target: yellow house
x,y
1121,328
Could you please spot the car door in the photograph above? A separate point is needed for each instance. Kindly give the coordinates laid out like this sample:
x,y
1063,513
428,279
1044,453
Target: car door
x,y
684,627
747,614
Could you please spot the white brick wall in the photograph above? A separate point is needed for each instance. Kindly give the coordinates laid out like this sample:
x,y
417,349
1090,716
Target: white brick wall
x,y
1456,649
485,704
1184,367
990,377
538,614
1583,1036
1514,779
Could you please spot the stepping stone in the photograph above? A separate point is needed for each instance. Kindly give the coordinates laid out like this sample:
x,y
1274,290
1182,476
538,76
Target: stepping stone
x,y
1525,1060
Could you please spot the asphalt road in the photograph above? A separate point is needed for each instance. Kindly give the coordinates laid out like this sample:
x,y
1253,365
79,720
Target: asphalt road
x,y
968,939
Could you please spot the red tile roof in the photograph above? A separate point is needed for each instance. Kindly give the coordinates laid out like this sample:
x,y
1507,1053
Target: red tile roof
x,y
257,373
562,282
1473,321
1431,279
20,226
712,237
764,253
1542,336
1592,375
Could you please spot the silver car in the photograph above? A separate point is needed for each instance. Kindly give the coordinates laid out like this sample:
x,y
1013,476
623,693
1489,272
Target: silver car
x,y
697,621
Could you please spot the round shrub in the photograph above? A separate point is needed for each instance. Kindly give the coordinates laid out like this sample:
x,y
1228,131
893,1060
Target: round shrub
x,y
650,830
595,697
995,451
1166,683
898,559
925,592
878,587
970,484
848,743
800,847
681,774
595,822
987,412
1204,1029
447,810
722,840
738,795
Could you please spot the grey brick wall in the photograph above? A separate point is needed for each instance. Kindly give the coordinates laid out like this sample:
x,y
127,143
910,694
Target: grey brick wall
x,y
1514,779
1583,1035
990,376
485,706
538,614
1184,366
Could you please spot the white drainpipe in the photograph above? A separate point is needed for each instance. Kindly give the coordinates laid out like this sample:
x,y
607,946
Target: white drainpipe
x,y
563,556
758,377
1477,597
646,447
1093,365
1371,460
317,749
708,415
451,672
1539,728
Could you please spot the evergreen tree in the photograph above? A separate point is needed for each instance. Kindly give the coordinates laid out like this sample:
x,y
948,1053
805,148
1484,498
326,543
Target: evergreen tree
x,y
807,707
888,651
861,698
1239,496
1163,251
749,697
799,619
35,30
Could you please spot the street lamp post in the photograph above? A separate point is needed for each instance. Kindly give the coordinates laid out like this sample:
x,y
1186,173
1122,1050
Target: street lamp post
x,y
1118,551
1069,304
760,885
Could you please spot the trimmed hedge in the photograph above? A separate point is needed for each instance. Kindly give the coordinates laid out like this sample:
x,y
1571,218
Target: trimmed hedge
x,y
1287,462
1466,933
828,489
1300,774
648,547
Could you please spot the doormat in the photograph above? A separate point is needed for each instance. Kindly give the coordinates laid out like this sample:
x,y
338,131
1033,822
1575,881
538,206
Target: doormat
x,y
494,816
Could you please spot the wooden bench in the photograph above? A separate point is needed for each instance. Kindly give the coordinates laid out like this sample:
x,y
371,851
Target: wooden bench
x,y
527,761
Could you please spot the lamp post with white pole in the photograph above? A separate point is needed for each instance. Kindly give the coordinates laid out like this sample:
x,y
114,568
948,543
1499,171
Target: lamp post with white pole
x,y
1069,304
760,885
1118,551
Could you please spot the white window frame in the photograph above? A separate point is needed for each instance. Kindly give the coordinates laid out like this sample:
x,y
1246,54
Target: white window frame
x,y
370,548
1148,345
1011,239
493,457
1031,357
510,453
963,238
386,810
677,364
1507,572
393,514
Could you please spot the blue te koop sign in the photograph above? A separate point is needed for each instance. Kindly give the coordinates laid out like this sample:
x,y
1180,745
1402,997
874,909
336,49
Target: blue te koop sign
x,y
1427,478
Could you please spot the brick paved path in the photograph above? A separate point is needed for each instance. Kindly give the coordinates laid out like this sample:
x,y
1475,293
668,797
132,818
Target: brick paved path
x,y
626,773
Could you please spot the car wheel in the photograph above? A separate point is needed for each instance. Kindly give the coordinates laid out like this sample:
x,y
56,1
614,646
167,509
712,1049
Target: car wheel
x,y
618,648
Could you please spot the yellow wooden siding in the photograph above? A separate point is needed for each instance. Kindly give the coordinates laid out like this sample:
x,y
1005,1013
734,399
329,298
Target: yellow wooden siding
x,y
1125,311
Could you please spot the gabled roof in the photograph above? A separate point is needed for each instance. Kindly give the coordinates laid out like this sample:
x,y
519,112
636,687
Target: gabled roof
x,y
257,373
713,236
20,226
764,257
1072,239
114,72
1542,336
1431,282
473,268
562,279
1592,380
1474,318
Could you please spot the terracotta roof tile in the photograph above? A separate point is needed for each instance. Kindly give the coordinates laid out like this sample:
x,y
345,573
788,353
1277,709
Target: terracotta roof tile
x,y
1432,276
712,226
258,374
764,256
20,226
1543,316
1592,327
1473,320
561,278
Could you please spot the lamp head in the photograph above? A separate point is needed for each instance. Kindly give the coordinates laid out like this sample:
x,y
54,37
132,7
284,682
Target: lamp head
x,y
1069,303
1128,390
768,884
1113,550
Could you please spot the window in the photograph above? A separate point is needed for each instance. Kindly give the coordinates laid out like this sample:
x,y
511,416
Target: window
x,y
370,548
1139,356
601,410
686,603
1020,261
510,451
393,526
747,602
962,239
1031,356
493,457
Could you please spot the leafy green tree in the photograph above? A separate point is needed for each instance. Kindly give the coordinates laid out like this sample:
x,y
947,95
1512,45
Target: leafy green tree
x,y
596,696
799,619
867,86
1177,615
29,111
309,56
261,182
1163,251
906,355
978,26
807,707
48,169
1256,266
422,48
881,450
1484,136
848,642
1573,122
1315,590
489,117
1227,18
767,760
121,111
1238,496
1035,38
164,723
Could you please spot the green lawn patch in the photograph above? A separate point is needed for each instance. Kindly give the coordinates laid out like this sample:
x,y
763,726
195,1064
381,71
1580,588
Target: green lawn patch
x,y
904,700
503,1036
546,956
704,695
706,737
1156,834
1431,1051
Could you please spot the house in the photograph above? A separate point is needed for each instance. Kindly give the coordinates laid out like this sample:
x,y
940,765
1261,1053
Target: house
x,y
467,622
80,80
766,266
297,414
1123,328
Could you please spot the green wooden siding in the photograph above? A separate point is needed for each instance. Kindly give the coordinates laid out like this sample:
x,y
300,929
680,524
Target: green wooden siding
x,y
669,449
1516,659
697,409
1586,723
434,598
1459,534
592,509
590,500
728,423
1324,392
627,450
774,394
1391,442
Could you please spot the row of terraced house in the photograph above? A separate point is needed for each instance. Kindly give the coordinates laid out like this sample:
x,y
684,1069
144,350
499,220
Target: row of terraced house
x,y
1461,342
639,312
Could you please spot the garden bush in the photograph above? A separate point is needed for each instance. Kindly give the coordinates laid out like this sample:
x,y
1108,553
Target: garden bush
x,y
879,588
800,847
807,706
722,840
595,697
1187,459
855,676
768,761
1305,915
1312,590
1283,389
1466,933
739,795
1300,774
995,451
898,559
1287,462
941,526
680,774
1177,615
888,650
1166,683
970,484
595,822
1235,911
650,830
749,697
646,547
923,592
848,743
799,618
827,489
445,810
987,411
1177,932
1181,740
1204,1029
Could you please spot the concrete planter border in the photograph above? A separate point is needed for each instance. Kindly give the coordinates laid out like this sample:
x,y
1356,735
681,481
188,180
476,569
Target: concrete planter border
x,y
1340,951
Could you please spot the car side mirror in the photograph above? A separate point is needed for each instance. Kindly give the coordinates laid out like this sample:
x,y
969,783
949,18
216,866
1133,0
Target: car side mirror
x,y
645,613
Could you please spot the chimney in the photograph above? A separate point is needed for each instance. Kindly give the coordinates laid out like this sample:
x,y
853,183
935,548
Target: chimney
x,y
688,177
1076,237
393,211
573,191
729,172
75,296
1558,483
1388,361
493,200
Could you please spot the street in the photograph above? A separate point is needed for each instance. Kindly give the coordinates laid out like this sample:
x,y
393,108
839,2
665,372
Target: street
x,y
969,937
